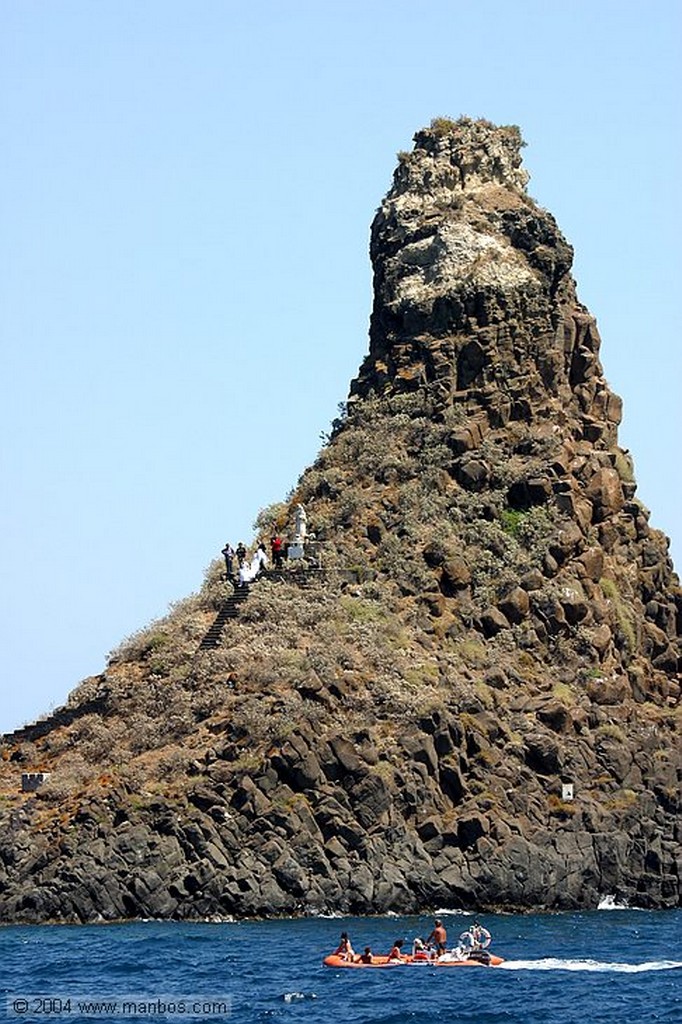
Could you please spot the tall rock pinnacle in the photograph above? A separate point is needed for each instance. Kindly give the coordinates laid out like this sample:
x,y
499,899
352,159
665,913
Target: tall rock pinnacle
x,y
473,295
476,319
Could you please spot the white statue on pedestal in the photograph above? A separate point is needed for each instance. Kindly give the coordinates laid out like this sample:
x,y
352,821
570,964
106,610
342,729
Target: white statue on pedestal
x,y
297,547
300,525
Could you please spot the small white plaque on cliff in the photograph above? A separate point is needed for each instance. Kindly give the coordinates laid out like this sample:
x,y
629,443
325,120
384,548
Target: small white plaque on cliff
x,y
567,791
30,781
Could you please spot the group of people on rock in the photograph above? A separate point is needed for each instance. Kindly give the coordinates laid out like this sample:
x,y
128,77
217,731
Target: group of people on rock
x,y
248,568
472,941
229,554
298,548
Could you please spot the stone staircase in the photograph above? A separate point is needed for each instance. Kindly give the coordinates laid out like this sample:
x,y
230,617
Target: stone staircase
x,y
229,610
304,578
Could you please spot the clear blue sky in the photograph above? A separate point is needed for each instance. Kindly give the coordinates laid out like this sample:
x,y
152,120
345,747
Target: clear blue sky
x,y
186,193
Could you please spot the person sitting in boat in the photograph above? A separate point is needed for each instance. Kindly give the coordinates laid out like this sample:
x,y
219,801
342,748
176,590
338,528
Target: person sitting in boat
x,y
439,937
420,950
345,950
397,950
480,936
366,957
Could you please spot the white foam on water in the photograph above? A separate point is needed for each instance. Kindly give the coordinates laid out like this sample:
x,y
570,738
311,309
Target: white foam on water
x,y
609,903
450,912
555,964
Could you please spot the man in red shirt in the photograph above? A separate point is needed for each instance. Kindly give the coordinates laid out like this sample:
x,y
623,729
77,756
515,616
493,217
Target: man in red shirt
x,y
276,549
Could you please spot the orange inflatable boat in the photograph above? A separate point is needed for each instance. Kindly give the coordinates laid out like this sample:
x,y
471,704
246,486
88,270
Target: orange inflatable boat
x,y
482,959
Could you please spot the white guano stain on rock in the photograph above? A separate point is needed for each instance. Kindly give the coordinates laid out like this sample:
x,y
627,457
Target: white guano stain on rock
x,y
456,254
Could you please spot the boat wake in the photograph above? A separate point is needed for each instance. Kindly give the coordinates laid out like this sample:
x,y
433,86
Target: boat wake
x,y
555,964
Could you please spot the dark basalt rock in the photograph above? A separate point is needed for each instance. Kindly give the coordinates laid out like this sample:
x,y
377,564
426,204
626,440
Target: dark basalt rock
x,y
543,754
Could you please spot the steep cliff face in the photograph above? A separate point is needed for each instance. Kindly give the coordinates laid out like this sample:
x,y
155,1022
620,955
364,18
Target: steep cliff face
x,y
495,620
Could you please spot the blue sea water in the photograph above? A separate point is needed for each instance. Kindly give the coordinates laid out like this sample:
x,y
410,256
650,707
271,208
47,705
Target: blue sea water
x,y
606,967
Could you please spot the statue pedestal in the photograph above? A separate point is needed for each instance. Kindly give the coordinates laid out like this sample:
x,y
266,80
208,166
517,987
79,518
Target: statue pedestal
x,y
295,551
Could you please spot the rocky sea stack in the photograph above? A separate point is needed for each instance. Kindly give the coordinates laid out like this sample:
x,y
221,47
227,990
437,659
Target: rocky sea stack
x,y
474,702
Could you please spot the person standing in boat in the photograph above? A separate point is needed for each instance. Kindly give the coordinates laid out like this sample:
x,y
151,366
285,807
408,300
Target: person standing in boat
x,y
480,936
439,937
345,950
